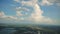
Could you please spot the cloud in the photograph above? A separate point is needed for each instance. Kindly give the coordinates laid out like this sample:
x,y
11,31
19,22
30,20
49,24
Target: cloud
x,y
53,1
2,14
35,16
50,2
58,4
20,9
28,2
16,0
18,13
37,13
12,17
45,2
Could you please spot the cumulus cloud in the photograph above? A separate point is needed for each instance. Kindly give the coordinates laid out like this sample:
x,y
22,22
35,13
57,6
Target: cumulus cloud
x,y
16,0
21,9
18,13
35,16
12,17
28,2
37,13
2,14
46,2
58,4
50,2
43,2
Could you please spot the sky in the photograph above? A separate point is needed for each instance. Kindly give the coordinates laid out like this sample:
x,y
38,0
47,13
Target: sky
x,y
30,12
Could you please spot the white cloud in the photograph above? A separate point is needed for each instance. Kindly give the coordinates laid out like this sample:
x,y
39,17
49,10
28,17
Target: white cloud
x,y
2,14
16,0
28,2
18,13
50,2
58,4
21,9
53,1
12,17
37,14
46,2
43,2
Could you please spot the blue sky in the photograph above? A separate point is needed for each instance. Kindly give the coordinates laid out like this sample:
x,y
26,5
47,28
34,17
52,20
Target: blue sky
x,y
41,11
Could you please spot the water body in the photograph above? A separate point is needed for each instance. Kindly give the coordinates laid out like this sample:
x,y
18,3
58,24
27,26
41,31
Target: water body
x,y
30,30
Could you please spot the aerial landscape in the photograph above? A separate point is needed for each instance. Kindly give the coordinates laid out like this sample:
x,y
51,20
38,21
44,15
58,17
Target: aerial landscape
x,y
29,16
